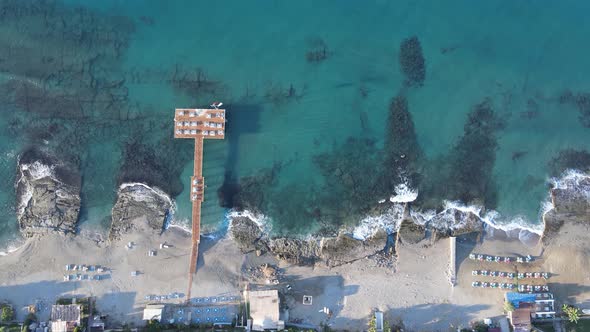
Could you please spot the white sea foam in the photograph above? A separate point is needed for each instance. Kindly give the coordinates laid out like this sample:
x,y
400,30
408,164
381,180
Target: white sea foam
x,y
574,181
262,221
142,194
12,246
182,224
403,194
36,171
389,221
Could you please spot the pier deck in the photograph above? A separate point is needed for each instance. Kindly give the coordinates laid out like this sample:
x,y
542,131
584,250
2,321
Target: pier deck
x,y
198,124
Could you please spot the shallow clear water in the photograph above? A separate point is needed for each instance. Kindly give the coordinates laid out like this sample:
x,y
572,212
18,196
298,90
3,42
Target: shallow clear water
x,y
253,52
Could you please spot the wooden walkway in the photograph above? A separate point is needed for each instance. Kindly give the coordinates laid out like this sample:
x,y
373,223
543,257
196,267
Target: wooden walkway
x,y
198,124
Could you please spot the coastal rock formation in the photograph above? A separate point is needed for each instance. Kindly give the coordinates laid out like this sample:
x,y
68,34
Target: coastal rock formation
x,y
297,251
570,197
48,199
138,204
331,251
344,248
410,232
246,233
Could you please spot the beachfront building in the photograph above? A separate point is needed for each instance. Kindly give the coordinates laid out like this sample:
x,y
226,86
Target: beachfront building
x,y
64,318
153,312
521,319
265,311
540,305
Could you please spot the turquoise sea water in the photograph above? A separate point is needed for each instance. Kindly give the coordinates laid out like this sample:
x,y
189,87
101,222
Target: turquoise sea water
x,y
285,110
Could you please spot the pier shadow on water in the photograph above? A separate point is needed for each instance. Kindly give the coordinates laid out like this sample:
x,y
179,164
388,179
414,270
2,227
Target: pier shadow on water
x,y
241,119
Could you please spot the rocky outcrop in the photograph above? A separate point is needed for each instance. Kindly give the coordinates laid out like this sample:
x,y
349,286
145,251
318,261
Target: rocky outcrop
x,y
297,251
571,204
455,222
410,232
138,205
331,251
48,196
344,248
247,234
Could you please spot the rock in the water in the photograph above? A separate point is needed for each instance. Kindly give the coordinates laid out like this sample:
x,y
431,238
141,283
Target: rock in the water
x,y
139,205
47,202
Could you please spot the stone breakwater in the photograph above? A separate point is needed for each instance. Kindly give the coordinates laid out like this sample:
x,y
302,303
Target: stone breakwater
x,y
48,201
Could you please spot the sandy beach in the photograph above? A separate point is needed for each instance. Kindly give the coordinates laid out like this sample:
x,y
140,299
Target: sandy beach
x,y
416,291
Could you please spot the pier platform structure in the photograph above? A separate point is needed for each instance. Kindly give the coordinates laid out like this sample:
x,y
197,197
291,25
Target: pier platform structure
x,y
198,124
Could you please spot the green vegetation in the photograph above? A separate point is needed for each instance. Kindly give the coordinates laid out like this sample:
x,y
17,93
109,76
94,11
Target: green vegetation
x,y
582,325
480,327
10,328
545,327
7,313
508,306
372,324
29,319
63,301
573,313
153,326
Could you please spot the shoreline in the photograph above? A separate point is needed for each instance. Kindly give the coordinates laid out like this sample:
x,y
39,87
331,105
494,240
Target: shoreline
x,y
415,289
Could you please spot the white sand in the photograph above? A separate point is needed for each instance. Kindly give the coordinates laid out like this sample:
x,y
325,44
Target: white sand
x,y
35,272
418,292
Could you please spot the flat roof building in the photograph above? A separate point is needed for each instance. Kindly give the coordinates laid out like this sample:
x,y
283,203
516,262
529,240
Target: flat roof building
x,y
521,319
153,312
264,310
541,305
64,318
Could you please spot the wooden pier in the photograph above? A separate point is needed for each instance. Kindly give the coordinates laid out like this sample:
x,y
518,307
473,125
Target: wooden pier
x,y
198,124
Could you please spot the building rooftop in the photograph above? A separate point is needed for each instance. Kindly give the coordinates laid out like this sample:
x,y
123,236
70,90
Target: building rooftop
x,y
521,320
67,313
153,311
264,310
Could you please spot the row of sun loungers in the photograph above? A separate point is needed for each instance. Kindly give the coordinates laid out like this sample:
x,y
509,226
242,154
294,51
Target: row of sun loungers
x,y
163,297
79,277
85,268
211,315
533,288
500,259
511,275
501,285
214,319
218,299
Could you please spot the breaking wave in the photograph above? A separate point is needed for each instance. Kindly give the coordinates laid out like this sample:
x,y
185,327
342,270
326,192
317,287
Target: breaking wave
x,y
13,246
262,221
36,171
140,194
390,221
403,194
574,181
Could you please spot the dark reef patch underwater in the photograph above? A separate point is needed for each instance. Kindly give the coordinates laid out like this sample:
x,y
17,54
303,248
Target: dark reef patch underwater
x,y
327,127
